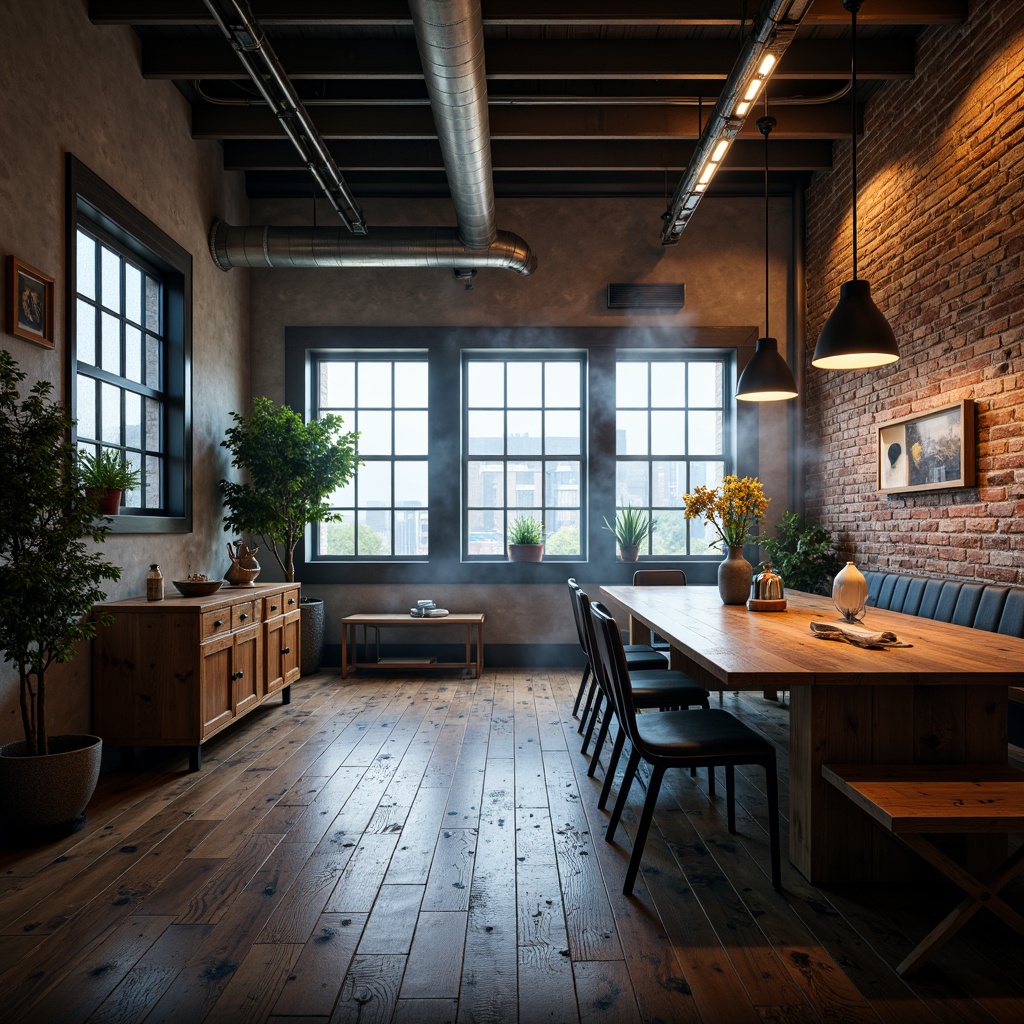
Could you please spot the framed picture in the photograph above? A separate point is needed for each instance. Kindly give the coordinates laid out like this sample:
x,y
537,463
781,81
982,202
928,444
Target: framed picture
x,y
929,451
29,302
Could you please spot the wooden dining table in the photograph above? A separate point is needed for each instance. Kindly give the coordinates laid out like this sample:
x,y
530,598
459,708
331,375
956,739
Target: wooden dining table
x,y
942,700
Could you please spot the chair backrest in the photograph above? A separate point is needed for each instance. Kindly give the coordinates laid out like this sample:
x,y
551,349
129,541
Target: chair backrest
x,y
659,578
581,630
610,662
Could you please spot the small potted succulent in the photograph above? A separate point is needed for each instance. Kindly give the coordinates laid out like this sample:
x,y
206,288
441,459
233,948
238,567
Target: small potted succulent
x,y
525,539
105,477
631,528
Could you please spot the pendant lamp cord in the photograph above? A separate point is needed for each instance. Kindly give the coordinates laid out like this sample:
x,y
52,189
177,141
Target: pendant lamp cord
x,y
764,126
853,6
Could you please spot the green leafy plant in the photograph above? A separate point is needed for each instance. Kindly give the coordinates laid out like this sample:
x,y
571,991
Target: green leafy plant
x,y
803,555
526,530
49,579
632,526
293,467
108,471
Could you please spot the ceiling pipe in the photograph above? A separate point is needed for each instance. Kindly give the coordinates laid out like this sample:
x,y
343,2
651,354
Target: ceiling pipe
x,y
235,19
773,30
267,246
449,35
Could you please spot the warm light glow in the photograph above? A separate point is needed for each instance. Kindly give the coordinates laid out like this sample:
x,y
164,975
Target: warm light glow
x,y
708,171
766,396
766,65
752,89
723,145
855,361
741,108
699,187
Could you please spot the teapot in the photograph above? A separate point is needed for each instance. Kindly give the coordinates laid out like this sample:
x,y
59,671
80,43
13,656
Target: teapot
x,y
244,567
767,585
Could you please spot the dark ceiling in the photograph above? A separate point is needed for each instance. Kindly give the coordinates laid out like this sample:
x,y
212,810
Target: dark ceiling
x,y
586,97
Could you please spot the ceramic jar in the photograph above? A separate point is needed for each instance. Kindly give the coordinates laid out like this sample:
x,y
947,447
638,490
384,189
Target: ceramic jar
x,y
850,592
734,576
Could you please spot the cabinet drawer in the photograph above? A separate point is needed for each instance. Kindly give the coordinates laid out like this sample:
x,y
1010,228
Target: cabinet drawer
x,y
244,614
215,622
279,604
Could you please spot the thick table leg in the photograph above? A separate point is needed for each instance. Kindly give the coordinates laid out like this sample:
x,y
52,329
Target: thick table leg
x,y
344,649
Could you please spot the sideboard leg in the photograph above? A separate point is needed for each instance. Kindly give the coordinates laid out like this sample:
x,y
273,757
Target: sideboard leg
x,y
195,758
286,695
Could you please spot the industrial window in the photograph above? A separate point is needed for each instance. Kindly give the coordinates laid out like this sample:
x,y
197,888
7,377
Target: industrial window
x,y
524,449
670,436
129,323
385,508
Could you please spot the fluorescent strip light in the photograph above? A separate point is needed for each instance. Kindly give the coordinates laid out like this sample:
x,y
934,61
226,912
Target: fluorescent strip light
x,y
753,89
741,108
709,169
716,156
766,65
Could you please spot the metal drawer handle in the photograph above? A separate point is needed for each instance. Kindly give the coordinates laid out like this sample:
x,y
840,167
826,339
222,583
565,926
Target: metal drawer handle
x,y
219,622
243,616
286,650
273,607
291,600
238,675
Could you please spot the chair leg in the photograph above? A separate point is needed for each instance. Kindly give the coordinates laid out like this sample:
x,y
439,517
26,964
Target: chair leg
x,y
643,827
627,780
582,689
594,713
730,796
602,735
586,707
772,789
711,780
613,762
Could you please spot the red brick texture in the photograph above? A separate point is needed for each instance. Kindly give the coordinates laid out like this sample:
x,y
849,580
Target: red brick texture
x,y
940,235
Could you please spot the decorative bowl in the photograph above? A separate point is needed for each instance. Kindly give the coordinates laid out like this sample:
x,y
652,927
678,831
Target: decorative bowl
x,y
197,588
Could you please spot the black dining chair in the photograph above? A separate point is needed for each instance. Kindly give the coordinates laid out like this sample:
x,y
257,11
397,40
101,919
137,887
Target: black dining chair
x,y
678,739
669,690
659,578
638,656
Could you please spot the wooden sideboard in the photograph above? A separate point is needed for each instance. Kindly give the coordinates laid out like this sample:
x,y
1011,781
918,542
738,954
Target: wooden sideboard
x,y
175,672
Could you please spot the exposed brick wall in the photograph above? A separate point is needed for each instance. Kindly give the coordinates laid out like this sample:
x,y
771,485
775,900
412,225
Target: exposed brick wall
x,y
940,235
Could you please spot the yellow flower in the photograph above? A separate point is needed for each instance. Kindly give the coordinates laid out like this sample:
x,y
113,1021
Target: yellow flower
x,y
731,509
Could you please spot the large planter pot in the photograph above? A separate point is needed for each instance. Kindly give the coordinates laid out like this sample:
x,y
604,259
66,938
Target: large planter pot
x,y
525,552
735,574
311,629
46,795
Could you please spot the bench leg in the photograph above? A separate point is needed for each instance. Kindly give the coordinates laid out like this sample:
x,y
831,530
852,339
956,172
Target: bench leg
x,y
978,895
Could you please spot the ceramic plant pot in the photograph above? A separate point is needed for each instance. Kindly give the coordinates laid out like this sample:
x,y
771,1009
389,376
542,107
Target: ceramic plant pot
x,y
525,552
734,577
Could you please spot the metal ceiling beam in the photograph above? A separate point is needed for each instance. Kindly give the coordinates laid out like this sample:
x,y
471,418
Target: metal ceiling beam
x,y
548,122
387,155
522,13
680,60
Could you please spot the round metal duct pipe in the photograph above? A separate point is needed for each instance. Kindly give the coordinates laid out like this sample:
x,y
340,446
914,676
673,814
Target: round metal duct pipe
x,y
300,247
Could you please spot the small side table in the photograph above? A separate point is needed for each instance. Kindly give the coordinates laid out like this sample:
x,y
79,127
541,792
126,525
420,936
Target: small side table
x,y
468,620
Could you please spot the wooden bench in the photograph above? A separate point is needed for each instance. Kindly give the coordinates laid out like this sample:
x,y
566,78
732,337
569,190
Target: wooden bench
x,y
468,620
914,801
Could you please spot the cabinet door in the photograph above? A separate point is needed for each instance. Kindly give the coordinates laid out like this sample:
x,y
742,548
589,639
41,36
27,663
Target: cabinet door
x,y
215,685
246,675
291,652
281,651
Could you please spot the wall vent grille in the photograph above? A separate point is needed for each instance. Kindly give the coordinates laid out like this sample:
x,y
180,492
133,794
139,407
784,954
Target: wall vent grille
x,y
645,296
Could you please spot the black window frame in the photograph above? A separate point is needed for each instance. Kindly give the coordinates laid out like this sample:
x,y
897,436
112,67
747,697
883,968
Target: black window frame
x,y
92,204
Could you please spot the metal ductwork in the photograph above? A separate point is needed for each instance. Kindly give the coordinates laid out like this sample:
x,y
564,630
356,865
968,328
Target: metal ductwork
x,y
449,36
385,247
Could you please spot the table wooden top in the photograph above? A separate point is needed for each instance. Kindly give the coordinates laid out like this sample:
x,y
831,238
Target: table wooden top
x,y
934,798
747,650
405,619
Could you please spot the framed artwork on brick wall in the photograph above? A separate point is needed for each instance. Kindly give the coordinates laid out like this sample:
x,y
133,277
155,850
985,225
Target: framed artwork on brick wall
x,y
928,451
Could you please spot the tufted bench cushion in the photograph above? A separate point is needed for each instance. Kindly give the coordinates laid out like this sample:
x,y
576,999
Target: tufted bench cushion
x,y
989,606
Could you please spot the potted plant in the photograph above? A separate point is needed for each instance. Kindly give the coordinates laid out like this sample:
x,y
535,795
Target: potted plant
x,y
632,527
525,539
292,468
49,582
105,477
803,555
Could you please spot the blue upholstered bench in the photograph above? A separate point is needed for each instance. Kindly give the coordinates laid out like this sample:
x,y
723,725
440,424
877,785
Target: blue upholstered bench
x,y
988,606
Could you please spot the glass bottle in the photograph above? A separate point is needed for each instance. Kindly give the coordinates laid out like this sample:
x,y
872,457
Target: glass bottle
x,y
154,583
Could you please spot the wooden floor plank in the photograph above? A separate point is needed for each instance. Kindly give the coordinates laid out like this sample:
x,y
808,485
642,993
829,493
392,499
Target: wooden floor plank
x,y
429,848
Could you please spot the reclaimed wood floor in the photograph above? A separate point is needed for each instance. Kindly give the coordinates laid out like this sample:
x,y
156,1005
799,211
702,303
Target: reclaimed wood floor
x,y
429,849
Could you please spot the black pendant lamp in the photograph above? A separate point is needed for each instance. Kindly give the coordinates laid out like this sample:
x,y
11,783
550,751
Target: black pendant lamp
x,y
856,335
767,377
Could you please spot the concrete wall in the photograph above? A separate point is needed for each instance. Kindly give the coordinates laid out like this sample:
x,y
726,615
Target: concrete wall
x,y
70,87
582,245
940,238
